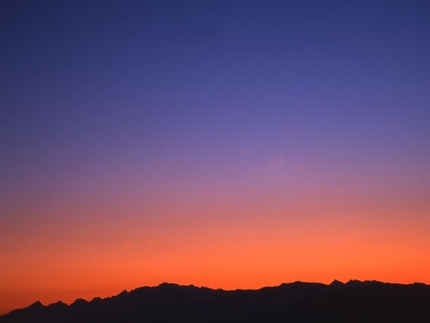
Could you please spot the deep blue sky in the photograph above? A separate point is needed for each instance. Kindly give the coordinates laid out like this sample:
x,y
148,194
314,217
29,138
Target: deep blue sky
x,y
78,74
325,78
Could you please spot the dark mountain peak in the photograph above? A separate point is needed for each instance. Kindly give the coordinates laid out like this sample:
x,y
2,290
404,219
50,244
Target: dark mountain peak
x,y
96,300
419,284
36,304
353,282
79,302
298,301
168,285
297,282
123,293
336,283
57,305
34,309
286,285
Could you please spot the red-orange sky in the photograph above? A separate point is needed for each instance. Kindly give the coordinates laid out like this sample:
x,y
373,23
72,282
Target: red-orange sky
x,y
229,144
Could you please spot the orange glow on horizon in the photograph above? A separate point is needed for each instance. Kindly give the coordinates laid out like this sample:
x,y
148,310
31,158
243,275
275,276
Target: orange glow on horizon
x,y
259,246
241,237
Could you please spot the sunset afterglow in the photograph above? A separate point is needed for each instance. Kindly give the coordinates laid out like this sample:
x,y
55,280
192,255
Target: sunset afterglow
x,y
227,144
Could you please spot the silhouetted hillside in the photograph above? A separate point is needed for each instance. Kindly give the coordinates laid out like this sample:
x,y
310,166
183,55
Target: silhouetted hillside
x,y
355,301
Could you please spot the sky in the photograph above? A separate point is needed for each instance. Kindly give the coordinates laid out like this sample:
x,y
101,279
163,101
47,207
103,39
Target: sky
x,y
227,144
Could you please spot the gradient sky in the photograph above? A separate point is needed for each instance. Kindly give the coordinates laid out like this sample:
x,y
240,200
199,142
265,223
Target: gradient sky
x,y
231,144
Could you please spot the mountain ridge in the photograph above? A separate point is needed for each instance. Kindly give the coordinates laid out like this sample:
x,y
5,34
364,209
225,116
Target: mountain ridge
x,y
351,301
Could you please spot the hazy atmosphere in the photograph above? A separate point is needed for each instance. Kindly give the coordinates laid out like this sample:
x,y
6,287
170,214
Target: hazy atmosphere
x,y
227,144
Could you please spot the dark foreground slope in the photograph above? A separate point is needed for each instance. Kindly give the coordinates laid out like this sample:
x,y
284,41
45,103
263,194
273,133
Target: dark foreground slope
x,y
354,301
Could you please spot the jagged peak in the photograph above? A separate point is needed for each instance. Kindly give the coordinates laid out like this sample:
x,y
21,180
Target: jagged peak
x,y
336,283
138,303
36,304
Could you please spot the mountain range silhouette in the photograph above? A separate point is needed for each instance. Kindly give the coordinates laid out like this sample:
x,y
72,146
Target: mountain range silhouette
x,y
354,301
